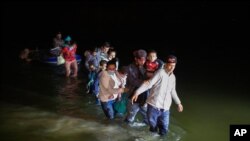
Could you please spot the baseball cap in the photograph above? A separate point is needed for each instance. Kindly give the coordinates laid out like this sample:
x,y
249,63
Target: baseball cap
x,y
140,53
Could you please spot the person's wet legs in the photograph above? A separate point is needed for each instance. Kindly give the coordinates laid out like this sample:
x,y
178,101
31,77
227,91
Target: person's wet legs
x,y
108,109
132,111
75,68
163,122
67,68
153,115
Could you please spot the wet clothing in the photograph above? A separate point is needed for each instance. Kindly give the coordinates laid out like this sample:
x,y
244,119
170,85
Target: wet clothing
x,y
108,109
91,87
108,86
162,91
158,119
69,52
135,77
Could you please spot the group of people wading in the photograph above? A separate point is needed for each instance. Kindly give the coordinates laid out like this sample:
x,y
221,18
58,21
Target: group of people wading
x,y
146,86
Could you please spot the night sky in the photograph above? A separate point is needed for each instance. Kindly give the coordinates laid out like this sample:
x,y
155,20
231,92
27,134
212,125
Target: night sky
x,y
206,30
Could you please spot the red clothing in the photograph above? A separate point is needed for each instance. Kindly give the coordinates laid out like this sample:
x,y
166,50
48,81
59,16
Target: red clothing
x,y
69,52
151,66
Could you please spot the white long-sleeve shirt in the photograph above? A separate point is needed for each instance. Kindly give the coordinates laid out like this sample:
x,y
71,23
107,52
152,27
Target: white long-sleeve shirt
x,y
162,90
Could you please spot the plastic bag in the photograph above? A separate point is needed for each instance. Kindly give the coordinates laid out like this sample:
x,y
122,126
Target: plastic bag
x,y
60,60
121,106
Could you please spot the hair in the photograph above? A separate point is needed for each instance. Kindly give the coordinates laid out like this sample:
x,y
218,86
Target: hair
x,y
122,70
94,49
111,62
111,50
91,63
152,51
102,62
106,44
140,53
171,59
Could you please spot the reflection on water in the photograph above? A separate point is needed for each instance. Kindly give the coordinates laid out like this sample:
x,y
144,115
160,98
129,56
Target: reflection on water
x,y
29,123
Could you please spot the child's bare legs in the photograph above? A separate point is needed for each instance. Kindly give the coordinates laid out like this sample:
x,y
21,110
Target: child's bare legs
x,y
75,68
67,68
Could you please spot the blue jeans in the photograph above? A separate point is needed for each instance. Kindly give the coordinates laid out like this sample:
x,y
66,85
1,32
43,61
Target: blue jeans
x,y
108,109
133,109
158,119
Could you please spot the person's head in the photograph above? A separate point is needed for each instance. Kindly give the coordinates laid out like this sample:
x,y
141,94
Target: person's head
x,y
87,53
152,55
59,35
105,47
92,66
111,67
111,54
94,51
122,71
170,63
140,57
68,40
103,64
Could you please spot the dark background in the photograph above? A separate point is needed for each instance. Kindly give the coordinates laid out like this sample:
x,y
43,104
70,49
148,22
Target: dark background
x,y
203,31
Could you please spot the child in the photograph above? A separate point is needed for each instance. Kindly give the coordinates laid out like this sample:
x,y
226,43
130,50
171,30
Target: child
x,y
121,73
121,102
102,67
91,77
68,53
152,64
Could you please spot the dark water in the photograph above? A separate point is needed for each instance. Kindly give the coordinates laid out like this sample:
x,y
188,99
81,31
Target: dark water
x,y
38,103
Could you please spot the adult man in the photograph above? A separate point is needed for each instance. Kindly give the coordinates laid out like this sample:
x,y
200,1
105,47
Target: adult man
x,y
162,91
135,77
58,43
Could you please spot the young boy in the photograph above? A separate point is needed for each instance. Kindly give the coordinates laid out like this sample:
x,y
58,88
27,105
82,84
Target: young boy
x,y
91,77
152,64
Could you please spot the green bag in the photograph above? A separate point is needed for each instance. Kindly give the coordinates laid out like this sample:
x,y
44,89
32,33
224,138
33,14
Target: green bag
x,y
121,106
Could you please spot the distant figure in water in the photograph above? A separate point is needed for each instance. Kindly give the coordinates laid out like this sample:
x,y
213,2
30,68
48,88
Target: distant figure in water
x,y
162,91
28,55
58,44
58,41
24,55
68,53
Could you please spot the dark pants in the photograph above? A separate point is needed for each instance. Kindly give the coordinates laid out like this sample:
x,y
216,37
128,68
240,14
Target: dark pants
x,y
133,109
108,109
158,119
